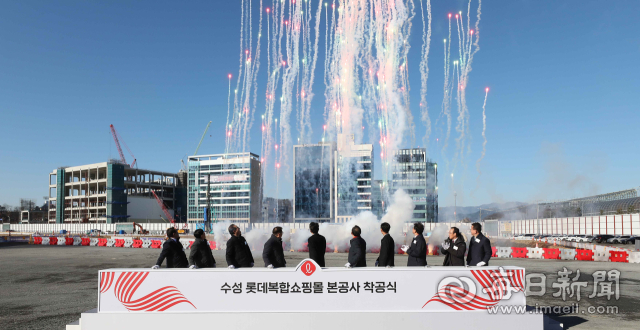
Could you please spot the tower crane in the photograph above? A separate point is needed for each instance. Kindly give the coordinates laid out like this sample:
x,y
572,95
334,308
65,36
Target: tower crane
x,y
202,138
117,138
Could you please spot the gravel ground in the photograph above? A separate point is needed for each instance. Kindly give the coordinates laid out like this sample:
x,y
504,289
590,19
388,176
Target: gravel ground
x,y
47,287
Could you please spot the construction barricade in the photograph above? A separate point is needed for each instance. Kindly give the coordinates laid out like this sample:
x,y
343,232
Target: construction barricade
x,y
212,245
63,241
37,240
53,240
568,254
137,243
618,256
535,253
111,242
186,244
156,244
146,243
494,252
601,255
45,241
584,255
551,253
504,252
519,252
634,257
119,242
128,243
77,241
102,241
85,241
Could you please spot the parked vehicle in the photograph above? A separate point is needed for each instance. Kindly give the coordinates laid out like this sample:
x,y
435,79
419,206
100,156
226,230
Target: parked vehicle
x,y
613,239
619,238
576,238
601,238
586,239
629,240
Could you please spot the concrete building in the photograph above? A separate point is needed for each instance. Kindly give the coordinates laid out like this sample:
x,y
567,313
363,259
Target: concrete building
x,y
418,177
379,197
224,187
313,182
354,175
109,192
277,210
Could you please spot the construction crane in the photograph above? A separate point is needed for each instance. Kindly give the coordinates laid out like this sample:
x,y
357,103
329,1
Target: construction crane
x,y
118,138
202,138
163,207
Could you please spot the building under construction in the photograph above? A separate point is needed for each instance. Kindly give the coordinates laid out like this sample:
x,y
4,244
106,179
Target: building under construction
x,y
113,192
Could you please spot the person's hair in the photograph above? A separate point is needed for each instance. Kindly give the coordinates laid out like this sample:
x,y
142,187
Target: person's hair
x,y
356,231
276,230
385,227
314,227
198,233
232,229
171,231
457,232
418,227
477,226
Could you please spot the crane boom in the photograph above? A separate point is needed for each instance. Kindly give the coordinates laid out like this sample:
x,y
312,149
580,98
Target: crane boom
x,y
115,138
164,208
202,138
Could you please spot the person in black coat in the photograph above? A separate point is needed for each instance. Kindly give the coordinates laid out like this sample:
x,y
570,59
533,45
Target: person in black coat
x,y
173,251
238,251
358,250
417,252
201,255
387,247
454,248
479,247
317,244
273,253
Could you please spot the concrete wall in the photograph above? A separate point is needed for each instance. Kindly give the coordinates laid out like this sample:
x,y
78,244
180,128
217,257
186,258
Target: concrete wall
x,y
144,209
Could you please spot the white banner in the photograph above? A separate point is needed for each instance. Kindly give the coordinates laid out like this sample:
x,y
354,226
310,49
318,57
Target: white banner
x,y
226,178
310,288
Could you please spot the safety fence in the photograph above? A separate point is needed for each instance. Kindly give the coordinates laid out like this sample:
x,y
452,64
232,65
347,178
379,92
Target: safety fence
x,y
619,224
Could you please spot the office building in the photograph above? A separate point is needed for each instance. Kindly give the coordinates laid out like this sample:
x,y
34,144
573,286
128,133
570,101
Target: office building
x,y
224,187
418,177
354,174
313,182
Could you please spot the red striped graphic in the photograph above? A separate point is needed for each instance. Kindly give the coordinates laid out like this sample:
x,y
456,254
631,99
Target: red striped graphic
x,y
495,284
105,281
159,300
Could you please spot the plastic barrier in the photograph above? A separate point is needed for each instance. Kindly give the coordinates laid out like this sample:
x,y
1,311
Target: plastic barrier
x,y
494,252
102,242
119,242
111,242
519,252
77,241
551,253
504,252
634,257
535,253
156,244
85,241
137,243
212,245
185,244
619,256
45,241
568,254
53,240
191,243
63,241
601,255
146,243
584,255
128,243
37,240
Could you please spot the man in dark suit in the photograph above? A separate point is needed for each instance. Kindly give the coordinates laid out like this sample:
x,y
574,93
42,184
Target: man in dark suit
x,y
238,251
173,251
201,256
417,252
273,254
479,248
454,248
317,244
387,247
358,250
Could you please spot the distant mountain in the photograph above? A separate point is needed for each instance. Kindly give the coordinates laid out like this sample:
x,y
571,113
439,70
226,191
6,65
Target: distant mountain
x,y
445,214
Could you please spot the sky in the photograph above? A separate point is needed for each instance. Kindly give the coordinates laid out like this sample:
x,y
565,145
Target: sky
x,y
562,111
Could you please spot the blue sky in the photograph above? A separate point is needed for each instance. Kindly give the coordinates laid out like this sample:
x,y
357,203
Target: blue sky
x,y
562,110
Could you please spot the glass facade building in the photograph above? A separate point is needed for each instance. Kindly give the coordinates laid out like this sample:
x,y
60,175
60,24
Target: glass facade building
x,y
418,177
312,182
354,175
228,183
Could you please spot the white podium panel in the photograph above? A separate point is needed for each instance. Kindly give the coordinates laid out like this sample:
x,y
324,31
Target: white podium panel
x,y
309,288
